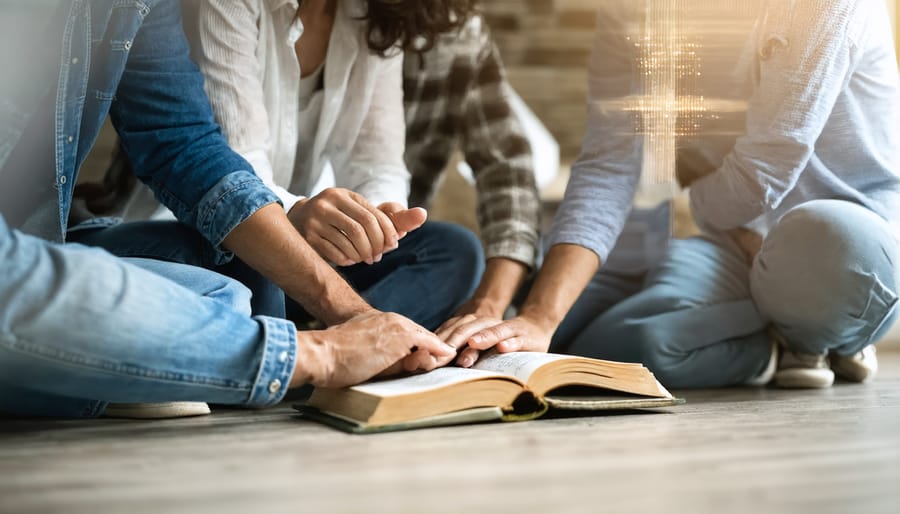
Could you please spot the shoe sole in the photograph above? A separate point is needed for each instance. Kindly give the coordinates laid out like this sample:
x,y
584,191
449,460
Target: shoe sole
x,y
163,410
853,373
804,379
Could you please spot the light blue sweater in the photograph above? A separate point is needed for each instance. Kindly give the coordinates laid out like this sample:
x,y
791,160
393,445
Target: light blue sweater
x,y
820,84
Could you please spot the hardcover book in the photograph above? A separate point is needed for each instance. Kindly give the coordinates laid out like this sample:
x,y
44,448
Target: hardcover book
x,y
506,387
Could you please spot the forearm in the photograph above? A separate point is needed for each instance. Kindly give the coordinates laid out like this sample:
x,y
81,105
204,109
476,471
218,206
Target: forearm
x,y
268,242
566,272
501,279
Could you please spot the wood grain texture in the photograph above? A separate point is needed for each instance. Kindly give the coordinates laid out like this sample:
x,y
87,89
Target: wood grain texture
x,y
737,450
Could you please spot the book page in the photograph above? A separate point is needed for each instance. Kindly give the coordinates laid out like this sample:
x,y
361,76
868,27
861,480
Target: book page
x,y
436,379
518,364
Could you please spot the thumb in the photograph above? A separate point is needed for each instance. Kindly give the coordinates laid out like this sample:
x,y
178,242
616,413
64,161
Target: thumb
x,y
409,219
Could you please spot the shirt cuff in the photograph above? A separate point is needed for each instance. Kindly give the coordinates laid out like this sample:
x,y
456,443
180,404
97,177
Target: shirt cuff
x,y
228,204
277,366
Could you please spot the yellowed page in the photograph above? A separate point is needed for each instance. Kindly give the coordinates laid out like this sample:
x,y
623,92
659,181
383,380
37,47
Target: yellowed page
x,y
518,364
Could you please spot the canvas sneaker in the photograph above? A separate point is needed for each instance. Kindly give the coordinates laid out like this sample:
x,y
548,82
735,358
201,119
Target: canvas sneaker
x,y
803,371
859,367
162,410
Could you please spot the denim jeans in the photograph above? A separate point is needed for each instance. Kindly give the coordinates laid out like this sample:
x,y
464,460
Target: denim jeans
x,y
79,328
826,279
435,269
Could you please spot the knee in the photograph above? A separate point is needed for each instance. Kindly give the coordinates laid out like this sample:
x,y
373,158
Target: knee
x,y
646,339
826,261
661,353
463,250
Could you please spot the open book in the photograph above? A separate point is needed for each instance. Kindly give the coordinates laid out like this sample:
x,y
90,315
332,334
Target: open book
x,y
509,387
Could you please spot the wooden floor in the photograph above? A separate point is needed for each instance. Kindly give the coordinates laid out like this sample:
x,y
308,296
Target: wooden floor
x,y
740,450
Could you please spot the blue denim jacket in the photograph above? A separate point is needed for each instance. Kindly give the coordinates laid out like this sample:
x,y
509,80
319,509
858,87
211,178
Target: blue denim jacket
x,y
130,59
77,324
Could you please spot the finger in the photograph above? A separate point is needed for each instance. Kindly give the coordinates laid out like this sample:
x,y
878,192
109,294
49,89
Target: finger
x,y
410,219
390,236
329,251
358,208
342,242
425,341
329,226
356,235
492,336
419,361
444,330
404,220
513,344
463,332
468,357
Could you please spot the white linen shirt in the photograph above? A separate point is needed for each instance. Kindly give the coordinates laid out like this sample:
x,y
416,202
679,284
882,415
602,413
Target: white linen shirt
x,y
246,49
821,120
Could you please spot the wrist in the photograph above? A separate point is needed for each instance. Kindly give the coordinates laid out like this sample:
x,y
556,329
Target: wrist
x,y
310,366
485,307
541,317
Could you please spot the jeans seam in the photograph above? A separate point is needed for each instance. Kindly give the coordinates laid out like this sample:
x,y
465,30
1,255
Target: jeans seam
x,y
20,345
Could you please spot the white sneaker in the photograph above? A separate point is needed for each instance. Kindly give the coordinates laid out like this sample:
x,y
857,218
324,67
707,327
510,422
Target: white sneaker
x,y
803,371
859,367
161,410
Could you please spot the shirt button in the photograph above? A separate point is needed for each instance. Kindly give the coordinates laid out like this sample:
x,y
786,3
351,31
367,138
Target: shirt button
x,y
74,60
283,357
62,179
274,386
127,45
70,139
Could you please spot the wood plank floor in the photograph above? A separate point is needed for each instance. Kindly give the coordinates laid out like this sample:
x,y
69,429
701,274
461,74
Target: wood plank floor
x,y
738,450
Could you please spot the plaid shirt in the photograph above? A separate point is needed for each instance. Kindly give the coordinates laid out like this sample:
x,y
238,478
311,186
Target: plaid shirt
x,y
456,97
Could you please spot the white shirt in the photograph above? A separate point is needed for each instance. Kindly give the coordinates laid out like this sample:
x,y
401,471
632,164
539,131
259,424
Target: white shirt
x,y
246,49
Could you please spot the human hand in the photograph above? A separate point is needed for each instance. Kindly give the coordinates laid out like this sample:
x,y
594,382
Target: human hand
x,y
456,332
363,347
749,241
344,228
404,220
521,334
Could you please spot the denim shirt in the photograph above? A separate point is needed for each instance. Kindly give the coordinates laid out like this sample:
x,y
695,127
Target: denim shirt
x,y
130,59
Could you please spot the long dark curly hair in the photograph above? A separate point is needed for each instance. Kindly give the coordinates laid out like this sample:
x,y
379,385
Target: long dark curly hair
x,y
413,24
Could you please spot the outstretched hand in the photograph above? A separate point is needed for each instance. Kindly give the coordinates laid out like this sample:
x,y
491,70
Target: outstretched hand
x,y
364,347
521,334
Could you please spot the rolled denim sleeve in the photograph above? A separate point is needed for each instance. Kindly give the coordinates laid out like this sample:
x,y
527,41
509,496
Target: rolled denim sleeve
x,y
167,128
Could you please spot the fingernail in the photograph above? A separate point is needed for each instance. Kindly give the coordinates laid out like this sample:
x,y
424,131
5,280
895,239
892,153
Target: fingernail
x,y
475,339
467,362
378,257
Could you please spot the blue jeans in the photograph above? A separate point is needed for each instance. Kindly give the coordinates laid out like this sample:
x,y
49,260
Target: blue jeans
x,y
435,269
825,278
79,328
